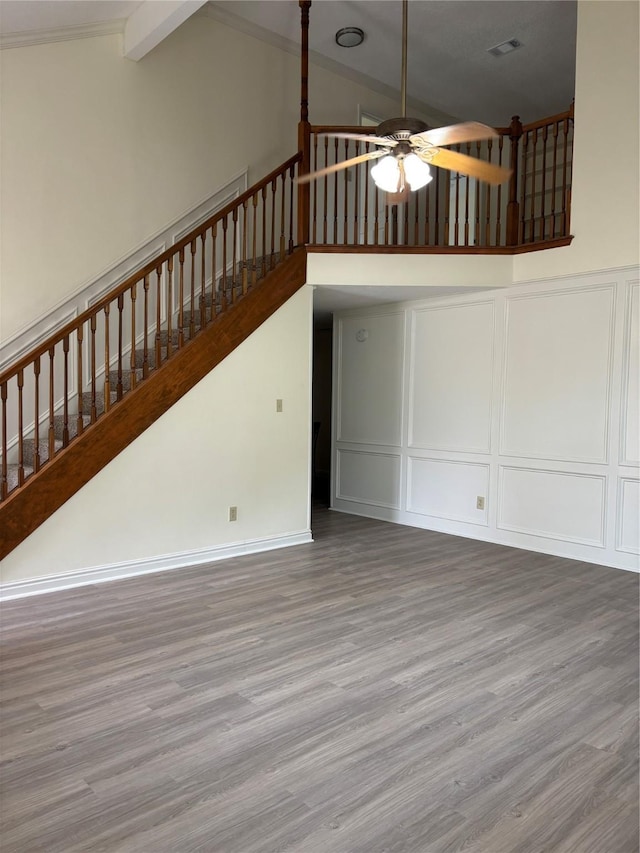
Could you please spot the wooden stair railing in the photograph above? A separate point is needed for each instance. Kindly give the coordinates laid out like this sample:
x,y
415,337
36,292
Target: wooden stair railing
x,y
66,386
452,213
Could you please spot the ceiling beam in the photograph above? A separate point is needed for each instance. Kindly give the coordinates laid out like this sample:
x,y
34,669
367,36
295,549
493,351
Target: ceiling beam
x,y
152,22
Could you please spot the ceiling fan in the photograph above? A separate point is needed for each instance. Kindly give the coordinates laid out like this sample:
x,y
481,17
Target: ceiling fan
x,y
406,147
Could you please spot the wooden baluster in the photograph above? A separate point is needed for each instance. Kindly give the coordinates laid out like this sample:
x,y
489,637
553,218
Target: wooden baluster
x,y
325,196
119,386
245,271
565,145
335,196
532,226
274,190
92,367
133,377
513,208
554,179
254,258
366,179
234,253
543,197
145,331
80,381
20,378
214,282
438,179
51,435
376,215
416,226
345,199
283,222
223,296
304,130
192,320
499,196
314,190
181,298
4,487
292,176
65,402
394,225
466,202
169,280
386,225
36,418
107,359
405,222
488,190
523,191
427,207
356,200
476,211
203,279
264,231
456,232
158,316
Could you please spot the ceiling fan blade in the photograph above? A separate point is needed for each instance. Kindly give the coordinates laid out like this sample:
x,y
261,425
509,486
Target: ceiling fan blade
x,y
468,166
469,131
336,167
363,137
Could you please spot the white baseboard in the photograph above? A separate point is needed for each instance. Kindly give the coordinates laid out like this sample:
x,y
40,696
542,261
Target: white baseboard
x,y
135,568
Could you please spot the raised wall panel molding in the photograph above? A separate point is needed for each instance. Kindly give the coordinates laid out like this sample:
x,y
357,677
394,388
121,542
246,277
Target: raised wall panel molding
x,y
628,514
483,344
541,418
571,501
376,365
380,473
629,403
463,482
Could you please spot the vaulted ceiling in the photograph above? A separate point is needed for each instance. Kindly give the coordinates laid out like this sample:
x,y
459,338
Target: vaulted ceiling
x,y
449,66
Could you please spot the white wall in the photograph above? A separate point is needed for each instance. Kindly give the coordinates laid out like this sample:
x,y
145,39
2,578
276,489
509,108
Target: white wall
x,y
98,152
164,500
526,397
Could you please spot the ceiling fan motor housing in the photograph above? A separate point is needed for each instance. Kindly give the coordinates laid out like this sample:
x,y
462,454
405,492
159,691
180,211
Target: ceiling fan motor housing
x,y
401,128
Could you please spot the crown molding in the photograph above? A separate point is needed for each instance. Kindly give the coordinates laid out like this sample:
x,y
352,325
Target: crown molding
x,y
229,19
29,38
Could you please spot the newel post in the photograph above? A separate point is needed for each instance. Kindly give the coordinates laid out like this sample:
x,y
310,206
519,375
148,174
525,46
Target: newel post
x,y
304,128
513,208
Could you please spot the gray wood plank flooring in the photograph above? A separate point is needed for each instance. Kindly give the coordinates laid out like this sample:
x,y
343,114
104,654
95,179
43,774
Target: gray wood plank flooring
x,y
384,689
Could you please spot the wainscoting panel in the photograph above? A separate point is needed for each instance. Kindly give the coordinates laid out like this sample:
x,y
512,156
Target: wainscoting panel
x,y
447,489
629,515
451,377
630,418
557,374
373,478
371,352
555,505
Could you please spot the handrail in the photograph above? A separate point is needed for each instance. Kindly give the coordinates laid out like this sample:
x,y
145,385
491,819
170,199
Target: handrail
x,y
148,268
347,209
66,383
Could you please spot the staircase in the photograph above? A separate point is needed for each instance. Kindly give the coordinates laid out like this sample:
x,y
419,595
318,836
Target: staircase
x,y
79,398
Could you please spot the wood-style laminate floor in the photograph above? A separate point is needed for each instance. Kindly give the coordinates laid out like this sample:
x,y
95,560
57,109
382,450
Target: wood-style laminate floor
x,y
384,689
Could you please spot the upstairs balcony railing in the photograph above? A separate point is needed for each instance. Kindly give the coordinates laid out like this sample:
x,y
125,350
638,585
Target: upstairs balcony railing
x,y
453,212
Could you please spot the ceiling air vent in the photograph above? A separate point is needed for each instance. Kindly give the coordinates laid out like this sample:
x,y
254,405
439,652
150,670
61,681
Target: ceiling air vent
x,y
505,47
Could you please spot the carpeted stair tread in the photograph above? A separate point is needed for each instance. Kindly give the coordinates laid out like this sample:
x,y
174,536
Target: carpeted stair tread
x,y
28,450
13,476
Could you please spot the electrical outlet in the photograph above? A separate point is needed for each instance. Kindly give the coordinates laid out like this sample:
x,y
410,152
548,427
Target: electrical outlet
x,y
480,502
233,513
278,405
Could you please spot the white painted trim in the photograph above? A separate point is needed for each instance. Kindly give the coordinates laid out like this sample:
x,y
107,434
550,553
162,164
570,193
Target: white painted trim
x,y
164,563
28,38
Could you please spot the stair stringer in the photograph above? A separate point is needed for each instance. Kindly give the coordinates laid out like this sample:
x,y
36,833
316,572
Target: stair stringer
x,y
28,507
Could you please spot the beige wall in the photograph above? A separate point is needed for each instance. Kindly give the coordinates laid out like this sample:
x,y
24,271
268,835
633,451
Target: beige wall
x,y
604,215
223,444
98,153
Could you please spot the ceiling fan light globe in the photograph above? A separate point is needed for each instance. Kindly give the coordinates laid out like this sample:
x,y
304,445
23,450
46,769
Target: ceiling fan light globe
x,y
417,172
386,174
